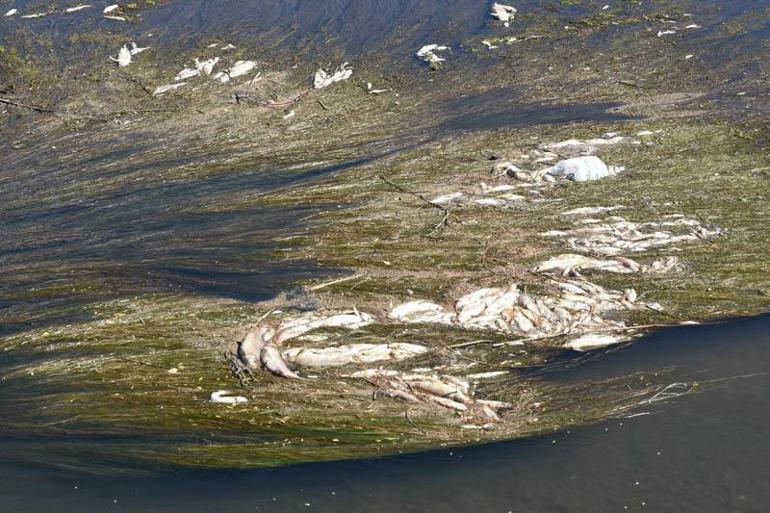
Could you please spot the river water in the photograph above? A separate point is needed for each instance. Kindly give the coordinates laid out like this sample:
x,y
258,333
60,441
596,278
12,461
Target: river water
x,y
704,452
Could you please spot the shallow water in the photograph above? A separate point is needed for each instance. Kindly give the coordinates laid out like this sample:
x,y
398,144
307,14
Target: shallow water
x,y
699,453
703,452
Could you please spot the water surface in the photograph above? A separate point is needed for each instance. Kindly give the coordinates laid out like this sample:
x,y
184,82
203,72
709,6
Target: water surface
x,y
702,453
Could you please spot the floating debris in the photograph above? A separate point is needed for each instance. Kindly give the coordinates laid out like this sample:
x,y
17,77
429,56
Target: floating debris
x,y
226,397
428,54
111,8
36,15
228,47
504,13
11,12
322,79
488,44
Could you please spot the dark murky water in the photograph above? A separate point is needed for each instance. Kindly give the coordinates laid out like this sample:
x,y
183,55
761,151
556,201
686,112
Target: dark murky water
x,y
703,453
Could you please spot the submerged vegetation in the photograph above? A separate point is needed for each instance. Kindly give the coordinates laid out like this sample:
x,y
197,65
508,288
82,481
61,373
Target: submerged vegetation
x,y
122,283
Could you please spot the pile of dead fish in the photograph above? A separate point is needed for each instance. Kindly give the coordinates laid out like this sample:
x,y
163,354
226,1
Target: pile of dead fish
x,y
485,196
447,391
205,68
615,235
430,54
570,264
323,79
111,12
261,346
576,308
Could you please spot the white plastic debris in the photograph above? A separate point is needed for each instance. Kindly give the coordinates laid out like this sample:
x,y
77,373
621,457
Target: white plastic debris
x,y
592,341
110,8
35,15
124,57
504,13
166,88
488,44
115,18
428,54
322,79
581,169
228,47
77,8
662,33
11,12
225,397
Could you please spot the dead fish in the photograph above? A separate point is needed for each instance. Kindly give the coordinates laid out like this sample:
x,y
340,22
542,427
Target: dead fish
x,y
522,323
504,13
526,301
322,78
77,8
250,348
273,361
226,397
124,57
447,403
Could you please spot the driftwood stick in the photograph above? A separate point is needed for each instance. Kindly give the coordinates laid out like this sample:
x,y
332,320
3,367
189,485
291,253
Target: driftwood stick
x,y
334,282
9,101
135,81
447,212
